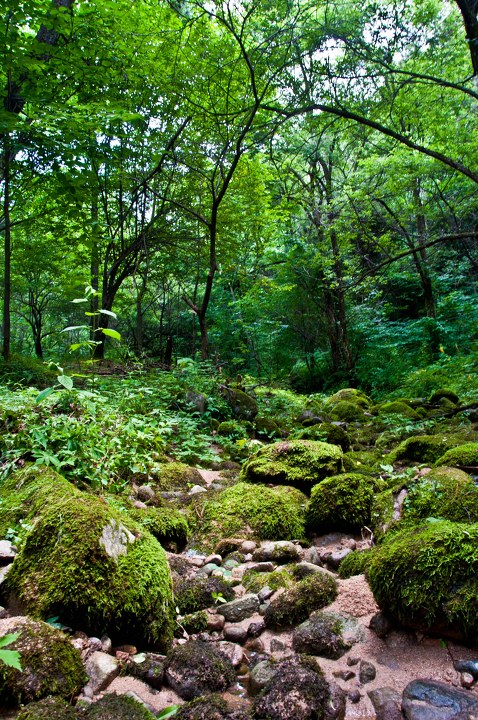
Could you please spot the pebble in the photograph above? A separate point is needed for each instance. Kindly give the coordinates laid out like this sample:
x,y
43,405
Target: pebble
x,y
354,696
351,661
256,628
196,489
145,493
344,674
235,633
240,609
248,546
367,672
466,680
215,623
380,624
214,559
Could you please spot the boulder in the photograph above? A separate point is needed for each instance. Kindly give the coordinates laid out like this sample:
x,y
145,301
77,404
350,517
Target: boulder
x,y
433,700
243,406
294,605
196,668
117,707
463,456
50,708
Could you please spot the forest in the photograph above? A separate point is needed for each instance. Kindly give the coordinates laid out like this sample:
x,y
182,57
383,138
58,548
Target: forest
x,y
238,376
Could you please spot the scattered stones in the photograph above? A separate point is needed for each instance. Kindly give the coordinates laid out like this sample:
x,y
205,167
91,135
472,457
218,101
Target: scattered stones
x,y
240,609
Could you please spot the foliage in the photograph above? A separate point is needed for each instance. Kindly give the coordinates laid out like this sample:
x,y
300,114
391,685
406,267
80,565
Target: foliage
x,y
11,658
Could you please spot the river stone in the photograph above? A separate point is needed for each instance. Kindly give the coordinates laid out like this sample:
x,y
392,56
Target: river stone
x,y
467,666
386,702
281,551
101,670
367,672
433,700
240,609
260,675
235,634
197,668
320,635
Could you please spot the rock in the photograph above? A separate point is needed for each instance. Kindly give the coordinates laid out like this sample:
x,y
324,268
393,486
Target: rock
x,y
148,667
101,670
51,708
117,707
235,633
280,552
367,672
196,668
50,663
146,493
215,707
380,624
231,652
254,645
197,489
208,569
295,604
7,552
243,406
433,700
354,697
304,568
197,401
95,644
335,558
247,546
264,567
467,666
320,635
344,674
215,623
261,675
106,644
196,593
240,609
466,680
387,703
265,594
256,628
298,691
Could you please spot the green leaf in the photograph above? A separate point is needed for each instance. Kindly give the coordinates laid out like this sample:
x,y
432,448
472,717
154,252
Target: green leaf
x,y
108,312
111,333
66,381
75,327
12,659
168,712
80,300
44,394
8,639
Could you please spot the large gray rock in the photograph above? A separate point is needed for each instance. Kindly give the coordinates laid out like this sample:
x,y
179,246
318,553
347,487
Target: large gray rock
x,y
386,702
280,551
240,609
320,635
433,700
101,669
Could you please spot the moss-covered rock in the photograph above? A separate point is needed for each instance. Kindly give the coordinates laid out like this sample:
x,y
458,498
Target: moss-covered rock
x,y
426,578
355,563
294,605
422,448
444,492
211,707
266,427
51,708
50,664
254,581
90,565
176,476
231,428
387,508
243,406
342,503
325,432
195,593
397,407
117,707
463,456
299,463
168,525
347,411
255,511
350,395
196,668
361,461
441,394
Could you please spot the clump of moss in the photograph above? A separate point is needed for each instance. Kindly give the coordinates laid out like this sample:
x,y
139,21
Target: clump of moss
x,y
350,395
168,525
266,427
196,668
117,707
422,448
360,461
347,411
51,708
355,563
386,509
192,623
462,456
196,593
342,503
247,510
243,406
294,605
397,407
443,393
254,581
89,564
426,578
231,428
50,665
211,707
444,492
176,476
326,432
299,463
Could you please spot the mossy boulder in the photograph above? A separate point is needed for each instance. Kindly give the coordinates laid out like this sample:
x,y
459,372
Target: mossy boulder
x,y
117,707
387,508
210,707
442,493
50,708
325,432
266,427
342,503
350,395
254,581
361,461
441,394
355,563
243,406
197,668
256,511
167,525
427,578
88,564
422,448
397,407
176,476
299,463
195,593
231,428
347,411
463,456
294,605
50,664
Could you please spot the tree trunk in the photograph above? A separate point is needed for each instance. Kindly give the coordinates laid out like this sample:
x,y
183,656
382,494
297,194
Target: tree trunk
x,y
94,264
420,258
7,286
469,11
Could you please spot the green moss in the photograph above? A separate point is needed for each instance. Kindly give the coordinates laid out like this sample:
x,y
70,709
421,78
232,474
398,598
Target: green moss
x,y
350,395
427,578
50,665
192,594
355,563
341,503
266,427
64,568
326,432
294,605
299,463
254,581
176,476
444,393
231,428
444,492
196,668
422,448
192,623
361,461
347,411
117,707
243,406
246,510
168,525
462,456
211,707
398,407
51,708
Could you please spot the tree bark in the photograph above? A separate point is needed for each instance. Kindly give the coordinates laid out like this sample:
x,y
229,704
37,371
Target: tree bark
x,y
7,283
469,11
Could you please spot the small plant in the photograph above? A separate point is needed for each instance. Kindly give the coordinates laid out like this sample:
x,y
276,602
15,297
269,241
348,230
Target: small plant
x,y
218,598
11,658
168,712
